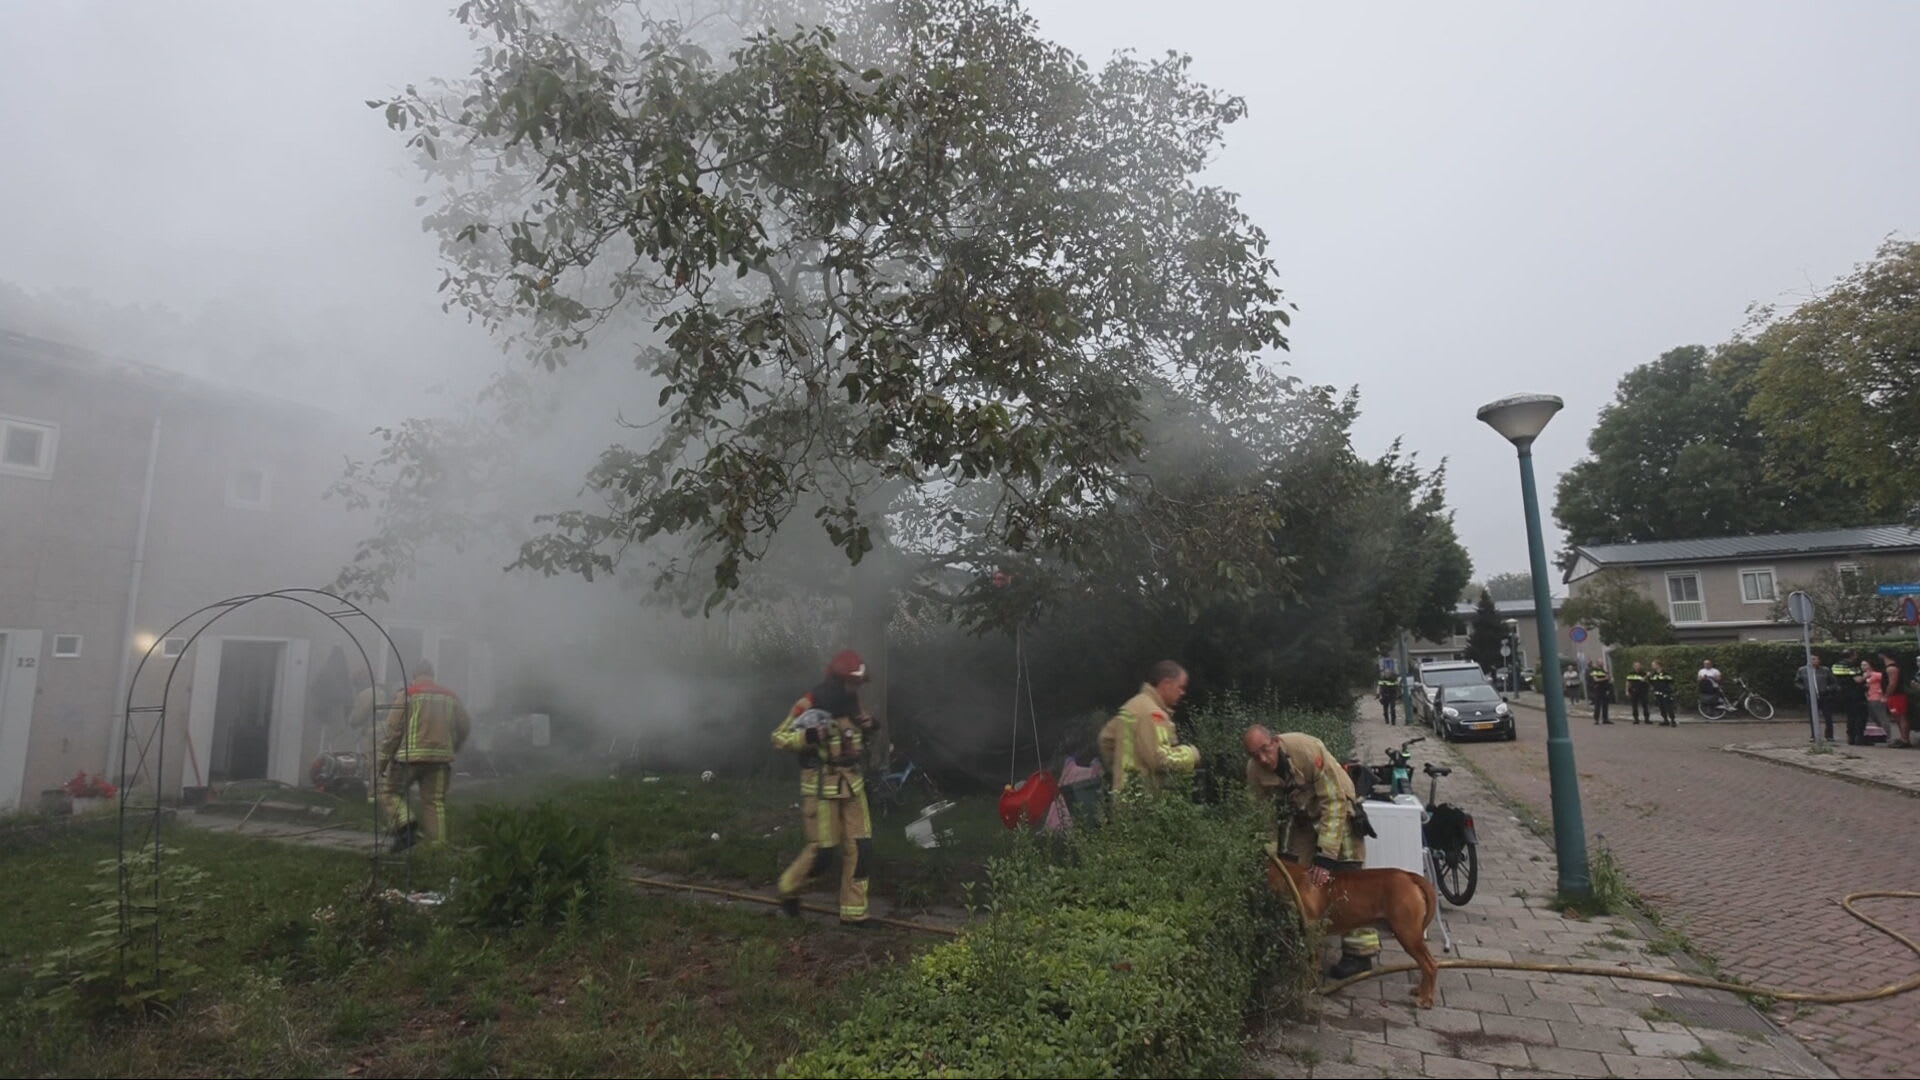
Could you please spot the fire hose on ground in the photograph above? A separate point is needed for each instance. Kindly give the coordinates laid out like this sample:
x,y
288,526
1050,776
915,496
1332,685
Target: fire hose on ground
x,y
709,890
1673,978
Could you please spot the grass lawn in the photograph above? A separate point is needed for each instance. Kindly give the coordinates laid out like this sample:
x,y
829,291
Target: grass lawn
x,y
654,987
668,825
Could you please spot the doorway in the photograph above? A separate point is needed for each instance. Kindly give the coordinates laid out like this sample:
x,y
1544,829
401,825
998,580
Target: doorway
x,y
243,713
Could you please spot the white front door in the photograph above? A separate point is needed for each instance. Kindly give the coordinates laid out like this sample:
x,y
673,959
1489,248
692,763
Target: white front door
x,y
19,677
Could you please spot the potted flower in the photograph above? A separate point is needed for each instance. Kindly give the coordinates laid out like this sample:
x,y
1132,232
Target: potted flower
x,y
89,792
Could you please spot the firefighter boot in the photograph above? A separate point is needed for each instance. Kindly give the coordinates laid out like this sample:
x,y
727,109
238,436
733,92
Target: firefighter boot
x,y
1349,966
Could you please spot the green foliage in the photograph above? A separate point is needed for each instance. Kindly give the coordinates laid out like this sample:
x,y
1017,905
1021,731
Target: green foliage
x,y
1624,615
533,866
1132,950
1485,633
922,231
1838,390
1511,586
1809,420
124,966
1768,666
1676,456
1851,608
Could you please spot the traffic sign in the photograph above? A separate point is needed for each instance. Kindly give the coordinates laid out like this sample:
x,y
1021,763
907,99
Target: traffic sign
x,y
1900,590
1910,611
1800,606
1578,634
1506,647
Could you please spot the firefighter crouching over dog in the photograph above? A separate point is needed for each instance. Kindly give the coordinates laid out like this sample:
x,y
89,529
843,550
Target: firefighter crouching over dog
x,y
1321,822
828,729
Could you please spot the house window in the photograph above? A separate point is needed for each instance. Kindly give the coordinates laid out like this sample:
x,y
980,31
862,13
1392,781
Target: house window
x,y
173,647
247,488
66,646
1756,586
26,447
1683,599
1849,579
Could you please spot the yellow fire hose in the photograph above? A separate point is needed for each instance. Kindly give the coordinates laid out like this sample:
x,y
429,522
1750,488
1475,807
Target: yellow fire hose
x,y
901,924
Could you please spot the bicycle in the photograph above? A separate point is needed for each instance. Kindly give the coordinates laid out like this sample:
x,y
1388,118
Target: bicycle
x,y
1724,704
891,790
1447,832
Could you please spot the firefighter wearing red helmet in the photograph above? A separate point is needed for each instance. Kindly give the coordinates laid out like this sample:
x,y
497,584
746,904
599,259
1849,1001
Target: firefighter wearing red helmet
x,y
828,729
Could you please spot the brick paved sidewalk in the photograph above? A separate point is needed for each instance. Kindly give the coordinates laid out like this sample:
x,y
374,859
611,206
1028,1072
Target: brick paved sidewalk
x,y
1513,1024
1889,767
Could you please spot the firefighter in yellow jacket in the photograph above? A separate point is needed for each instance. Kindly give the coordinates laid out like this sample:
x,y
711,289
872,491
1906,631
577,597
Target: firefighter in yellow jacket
x,y
417,746
1318,823
828,729
1140,741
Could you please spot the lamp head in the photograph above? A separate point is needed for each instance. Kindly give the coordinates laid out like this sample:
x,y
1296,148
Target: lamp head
x,y
1520,419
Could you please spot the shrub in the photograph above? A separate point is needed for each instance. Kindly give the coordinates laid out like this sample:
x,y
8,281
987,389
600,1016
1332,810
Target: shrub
x,y
1133,950
532,866
119,968
1768,666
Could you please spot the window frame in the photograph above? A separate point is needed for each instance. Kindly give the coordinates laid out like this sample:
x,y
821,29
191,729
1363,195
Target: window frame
x,y
79,646
1773,584
49,446
265,502
1699,597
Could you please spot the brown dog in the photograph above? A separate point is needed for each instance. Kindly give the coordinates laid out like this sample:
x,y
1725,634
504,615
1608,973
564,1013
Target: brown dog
x,y
1405,901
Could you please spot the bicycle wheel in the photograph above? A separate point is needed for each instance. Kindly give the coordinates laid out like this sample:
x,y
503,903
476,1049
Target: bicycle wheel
x,y
1457,873
1714,711
1759,707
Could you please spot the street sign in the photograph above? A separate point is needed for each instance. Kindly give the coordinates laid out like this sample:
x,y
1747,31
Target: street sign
x,y
1578,634
1800,606
1506,647
1900,590
1910,611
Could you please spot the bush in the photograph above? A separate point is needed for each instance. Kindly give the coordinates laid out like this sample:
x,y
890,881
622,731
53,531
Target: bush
x,y
533,866
120,968
1768,666
1133,950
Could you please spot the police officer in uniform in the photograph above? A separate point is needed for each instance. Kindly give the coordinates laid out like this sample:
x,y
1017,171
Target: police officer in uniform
x,y
1637,688
1602,693
1662,683
1389,697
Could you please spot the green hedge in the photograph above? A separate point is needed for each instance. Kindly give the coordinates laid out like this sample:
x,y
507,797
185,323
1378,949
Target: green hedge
x,y
1768,666
1136,949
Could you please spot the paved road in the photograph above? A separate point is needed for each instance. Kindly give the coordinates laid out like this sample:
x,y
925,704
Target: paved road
x,y
1747,858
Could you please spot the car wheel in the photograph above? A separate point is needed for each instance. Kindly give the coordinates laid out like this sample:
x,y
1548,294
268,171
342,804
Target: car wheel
x,y
1513,732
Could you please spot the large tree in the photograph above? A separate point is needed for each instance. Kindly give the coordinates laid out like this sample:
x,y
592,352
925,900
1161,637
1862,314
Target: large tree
x,y
910,269
1838,388
1676,455
1485,633
889,250
1517,585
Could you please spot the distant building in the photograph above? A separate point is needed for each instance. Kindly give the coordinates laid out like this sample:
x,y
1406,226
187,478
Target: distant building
x,y
131,496
1726,588
1524,626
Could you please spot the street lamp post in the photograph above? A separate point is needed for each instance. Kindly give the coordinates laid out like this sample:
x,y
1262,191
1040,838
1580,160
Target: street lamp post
x,y
1520,419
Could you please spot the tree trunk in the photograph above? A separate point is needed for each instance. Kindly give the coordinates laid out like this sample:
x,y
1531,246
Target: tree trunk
x,y
870,585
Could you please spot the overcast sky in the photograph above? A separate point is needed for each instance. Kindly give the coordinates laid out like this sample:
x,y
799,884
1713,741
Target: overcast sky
x,y
1465,201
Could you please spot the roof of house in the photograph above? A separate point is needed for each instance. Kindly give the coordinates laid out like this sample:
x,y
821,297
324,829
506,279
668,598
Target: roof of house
x,y
1866,538
1507,608
16,347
